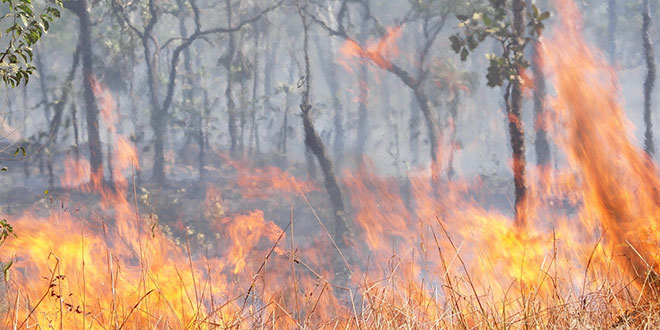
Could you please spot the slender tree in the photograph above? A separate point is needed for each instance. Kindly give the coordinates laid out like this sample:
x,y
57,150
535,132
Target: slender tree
x,y
80,9
649,81
314,143
160,109
495,22
363,87
331,79
612,22
432,23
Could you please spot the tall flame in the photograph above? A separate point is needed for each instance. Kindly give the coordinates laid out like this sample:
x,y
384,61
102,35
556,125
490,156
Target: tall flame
x,y
421,256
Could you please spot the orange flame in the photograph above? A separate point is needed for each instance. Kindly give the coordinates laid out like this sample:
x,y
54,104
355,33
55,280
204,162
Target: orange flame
x,y
378,52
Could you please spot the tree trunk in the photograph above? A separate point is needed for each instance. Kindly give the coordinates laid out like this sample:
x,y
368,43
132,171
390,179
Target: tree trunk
x,y
330,76
314,144
516,130
650,79
74,123
541,144
189,88
66,90
425,106
254,130
363,92
79,7
453,112
157,120
231,105
47,105
414,132
611,30
363,95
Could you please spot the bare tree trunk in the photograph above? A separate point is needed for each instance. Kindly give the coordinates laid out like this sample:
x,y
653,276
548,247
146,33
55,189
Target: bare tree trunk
x,y
243,119
650,79
190,86
453,142
254,130
66,90
330,76
611,30
47,105
516,130
414,133
363,92
425,106
231,105
363,95
201,136
55,123
541,144
79,7
157,118
314,143
74,123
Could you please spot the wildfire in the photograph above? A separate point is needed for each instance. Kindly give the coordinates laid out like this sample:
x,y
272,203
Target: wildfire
x,y
431,252
378,52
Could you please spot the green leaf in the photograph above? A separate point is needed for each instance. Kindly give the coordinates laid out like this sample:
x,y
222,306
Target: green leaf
x,y
487,20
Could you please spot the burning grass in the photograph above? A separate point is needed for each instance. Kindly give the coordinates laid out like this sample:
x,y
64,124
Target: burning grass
x,y
430,257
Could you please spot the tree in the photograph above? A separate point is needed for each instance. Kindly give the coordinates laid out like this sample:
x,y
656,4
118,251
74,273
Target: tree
x,y
649,81
612,21
160,110
25,30
452,83
508,29
314,143
431,16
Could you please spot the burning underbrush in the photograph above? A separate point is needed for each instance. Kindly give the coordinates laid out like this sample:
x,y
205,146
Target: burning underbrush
x,y
257,251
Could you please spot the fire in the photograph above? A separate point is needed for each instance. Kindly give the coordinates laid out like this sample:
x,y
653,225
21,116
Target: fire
x,y
425,251
619,182
379,52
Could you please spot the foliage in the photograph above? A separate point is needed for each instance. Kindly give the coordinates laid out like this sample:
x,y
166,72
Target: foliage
x,y
6,230
493,22
26,27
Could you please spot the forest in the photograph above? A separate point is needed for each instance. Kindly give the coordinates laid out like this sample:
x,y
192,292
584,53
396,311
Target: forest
x,y
329,164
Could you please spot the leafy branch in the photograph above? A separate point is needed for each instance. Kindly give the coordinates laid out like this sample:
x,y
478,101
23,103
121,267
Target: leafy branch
x,y
493,22
26,29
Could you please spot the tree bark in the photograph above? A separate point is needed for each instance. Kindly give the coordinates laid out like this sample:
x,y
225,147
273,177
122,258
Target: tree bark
x,y
649,82
254,129
453,142
363,92
516,129
414,132
330,76
231,105
611,30
541,144
314,143
79,7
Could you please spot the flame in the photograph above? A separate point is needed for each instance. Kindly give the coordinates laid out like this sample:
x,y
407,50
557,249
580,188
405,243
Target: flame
x,y
424,252
619,182
378,52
